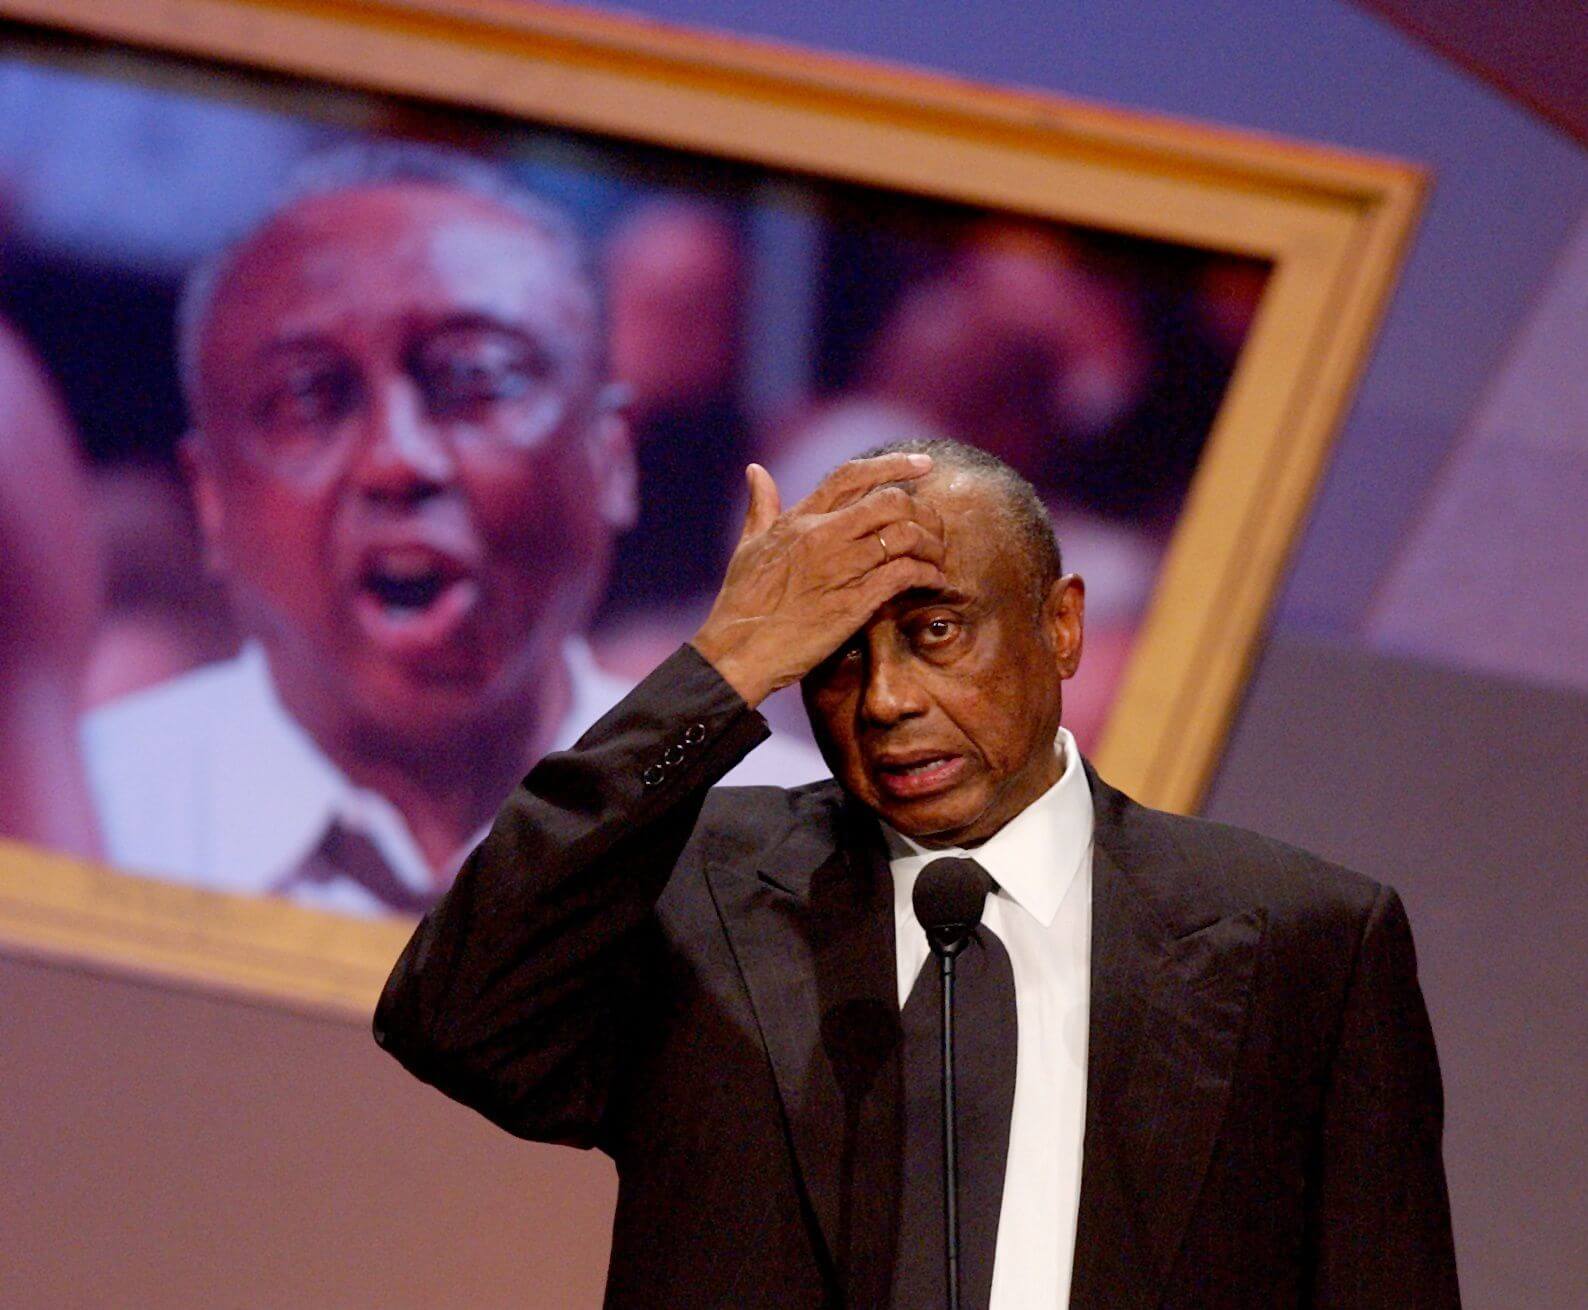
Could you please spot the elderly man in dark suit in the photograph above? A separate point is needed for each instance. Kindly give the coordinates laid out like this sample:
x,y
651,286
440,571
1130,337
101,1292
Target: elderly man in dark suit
x,y
1195,1066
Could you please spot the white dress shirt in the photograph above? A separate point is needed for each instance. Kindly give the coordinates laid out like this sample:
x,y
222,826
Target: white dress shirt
x,y
1041,909
207,780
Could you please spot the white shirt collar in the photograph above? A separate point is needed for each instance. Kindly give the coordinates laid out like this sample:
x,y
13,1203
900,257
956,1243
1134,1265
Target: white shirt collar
x,y
1033,858
272,828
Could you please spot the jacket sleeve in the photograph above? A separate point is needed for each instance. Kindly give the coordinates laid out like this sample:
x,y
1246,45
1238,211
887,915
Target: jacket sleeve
x,y
1381,1231
510,995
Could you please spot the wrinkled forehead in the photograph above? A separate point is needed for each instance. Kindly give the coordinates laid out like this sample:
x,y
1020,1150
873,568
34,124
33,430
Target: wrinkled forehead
x,y
355,263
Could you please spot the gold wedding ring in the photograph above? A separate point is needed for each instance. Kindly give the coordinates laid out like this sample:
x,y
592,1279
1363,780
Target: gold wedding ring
x,y
886,553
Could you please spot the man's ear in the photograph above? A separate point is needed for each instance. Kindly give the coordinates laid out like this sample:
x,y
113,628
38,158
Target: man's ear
x,y
196,461
612,460
1063,618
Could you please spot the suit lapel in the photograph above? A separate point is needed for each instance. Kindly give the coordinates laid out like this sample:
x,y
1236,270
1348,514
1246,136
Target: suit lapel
x,y
812,932
1169,994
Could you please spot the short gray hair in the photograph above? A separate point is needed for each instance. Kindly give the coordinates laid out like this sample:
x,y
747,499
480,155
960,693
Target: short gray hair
x,y
360,165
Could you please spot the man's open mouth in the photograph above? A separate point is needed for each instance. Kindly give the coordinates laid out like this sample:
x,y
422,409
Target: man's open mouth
x,y
915,776
407,580
414,598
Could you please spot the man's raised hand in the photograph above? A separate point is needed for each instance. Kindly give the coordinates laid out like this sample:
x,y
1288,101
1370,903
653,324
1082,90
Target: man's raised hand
x,y
801,582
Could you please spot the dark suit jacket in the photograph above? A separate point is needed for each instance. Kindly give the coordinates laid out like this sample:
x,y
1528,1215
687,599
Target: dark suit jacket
x,y
702,985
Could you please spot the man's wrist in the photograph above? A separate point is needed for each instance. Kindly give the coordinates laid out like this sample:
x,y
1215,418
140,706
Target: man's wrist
x,y
753,686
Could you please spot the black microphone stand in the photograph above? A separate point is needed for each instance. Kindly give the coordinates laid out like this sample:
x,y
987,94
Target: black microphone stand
x,y
950,1133
948,898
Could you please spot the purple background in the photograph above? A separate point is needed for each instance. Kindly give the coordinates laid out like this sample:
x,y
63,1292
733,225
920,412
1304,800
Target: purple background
x,y
183,1148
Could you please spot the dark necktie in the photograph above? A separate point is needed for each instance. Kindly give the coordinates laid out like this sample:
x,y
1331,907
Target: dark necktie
x,y
346,853
984,1063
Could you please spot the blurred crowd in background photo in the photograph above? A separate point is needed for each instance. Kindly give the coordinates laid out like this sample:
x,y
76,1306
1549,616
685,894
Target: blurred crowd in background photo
x,y
354,456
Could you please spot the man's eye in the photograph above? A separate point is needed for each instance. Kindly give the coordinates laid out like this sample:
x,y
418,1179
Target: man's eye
x,y
310,395
845,658
934,632
477,379
458,376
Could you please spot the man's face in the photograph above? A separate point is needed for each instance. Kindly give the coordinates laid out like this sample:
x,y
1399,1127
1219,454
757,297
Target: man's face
x,y
399,461
940,714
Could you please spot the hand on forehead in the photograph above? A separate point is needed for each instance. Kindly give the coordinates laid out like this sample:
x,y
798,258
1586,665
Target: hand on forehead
x,y
958,506
883,477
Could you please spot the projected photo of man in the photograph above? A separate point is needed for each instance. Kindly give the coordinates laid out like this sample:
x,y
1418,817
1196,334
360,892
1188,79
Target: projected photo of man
x,y
409,467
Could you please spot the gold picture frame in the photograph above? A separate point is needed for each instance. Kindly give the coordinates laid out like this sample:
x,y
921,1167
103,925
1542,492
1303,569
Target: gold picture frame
x,y
1333,225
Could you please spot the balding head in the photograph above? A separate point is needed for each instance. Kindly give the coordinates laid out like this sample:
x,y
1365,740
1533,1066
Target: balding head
x,y
381,165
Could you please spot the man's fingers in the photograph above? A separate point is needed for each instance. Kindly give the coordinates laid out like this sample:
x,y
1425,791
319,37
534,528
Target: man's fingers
x,y
850,481
905,574
765,504
882,508
893,540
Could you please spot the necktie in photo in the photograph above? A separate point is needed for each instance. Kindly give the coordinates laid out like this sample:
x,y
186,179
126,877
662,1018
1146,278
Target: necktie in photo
x,y
347,853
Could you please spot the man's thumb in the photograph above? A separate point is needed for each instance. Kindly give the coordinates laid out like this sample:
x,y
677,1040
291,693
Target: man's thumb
x,y
764,503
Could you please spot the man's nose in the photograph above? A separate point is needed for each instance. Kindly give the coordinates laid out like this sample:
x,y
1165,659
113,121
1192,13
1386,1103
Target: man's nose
x,y
892,691
402,456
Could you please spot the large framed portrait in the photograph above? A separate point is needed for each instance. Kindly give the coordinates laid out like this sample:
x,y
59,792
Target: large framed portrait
x,y
380,377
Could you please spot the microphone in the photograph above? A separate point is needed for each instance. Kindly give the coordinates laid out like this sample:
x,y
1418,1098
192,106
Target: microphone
x,y
949,896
